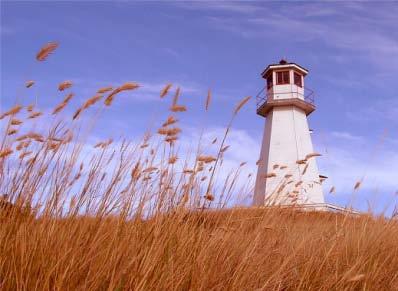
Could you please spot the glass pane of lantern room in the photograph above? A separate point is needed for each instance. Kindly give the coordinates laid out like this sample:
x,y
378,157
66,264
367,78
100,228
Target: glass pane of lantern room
x,y
269,81
282,77
286,79
298,80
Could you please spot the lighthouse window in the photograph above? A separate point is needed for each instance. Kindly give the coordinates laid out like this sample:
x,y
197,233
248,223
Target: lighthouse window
x,y
298,80
282,78
269,81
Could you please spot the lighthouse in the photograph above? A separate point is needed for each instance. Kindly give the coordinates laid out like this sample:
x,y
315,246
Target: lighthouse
x,y
287,169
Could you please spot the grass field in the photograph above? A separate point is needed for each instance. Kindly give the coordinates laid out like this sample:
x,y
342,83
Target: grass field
x,y
144,216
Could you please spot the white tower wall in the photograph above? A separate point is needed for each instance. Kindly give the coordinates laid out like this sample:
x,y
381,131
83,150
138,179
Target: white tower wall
x,y
286,141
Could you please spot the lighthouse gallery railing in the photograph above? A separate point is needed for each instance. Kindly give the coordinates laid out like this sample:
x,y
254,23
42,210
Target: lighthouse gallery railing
x,y
265,95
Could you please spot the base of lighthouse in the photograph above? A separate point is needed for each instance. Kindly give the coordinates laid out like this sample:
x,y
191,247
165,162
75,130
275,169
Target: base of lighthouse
x,y
287,170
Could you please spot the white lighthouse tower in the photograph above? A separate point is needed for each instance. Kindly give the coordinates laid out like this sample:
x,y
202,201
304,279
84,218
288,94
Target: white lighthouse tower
x,y
287,170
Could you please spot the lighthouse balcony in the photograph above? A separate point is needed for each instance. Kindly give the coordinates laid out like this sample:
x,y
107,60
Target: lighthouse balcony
x,y
268,99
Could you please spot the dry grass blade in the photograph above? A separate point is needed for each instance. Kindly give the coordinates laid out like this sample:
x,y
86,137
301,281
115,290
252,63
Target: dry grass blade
x,y
356,278
208,99
305,169
46,50
150,170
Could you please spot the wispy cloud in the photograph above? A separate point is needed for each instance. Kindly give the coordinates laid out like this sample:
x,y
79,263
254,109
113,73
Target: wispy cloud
x,y
351,28
6,30
382,109
343,135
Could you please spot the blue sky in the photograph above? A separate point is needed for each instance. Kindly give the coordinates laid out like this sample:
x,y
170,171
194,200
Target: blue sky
x,y
350,49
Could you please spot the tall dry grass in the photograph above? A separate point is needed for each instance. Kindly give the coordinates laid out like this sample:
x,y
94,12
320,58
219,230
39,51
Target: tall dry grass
x,y
118,215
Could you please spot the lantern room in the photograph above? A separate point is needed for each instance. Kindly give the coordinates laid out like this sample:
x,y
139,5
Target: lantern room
x,y
285,80
284,86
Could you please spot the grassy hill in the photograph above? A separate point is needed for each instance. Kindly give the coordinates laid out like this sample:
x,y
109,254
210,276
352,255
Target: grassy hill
x,y
237,249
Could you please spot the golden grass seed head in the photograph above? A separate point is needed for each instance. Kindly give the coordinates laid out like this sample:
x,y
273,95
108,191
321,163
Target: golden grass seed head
x,y
312,155
170,120
224,149
178,108
270,175
6,152
29,108
35,115
205,159
357,185
209,197
165,90
173,160
13,111
241,104
24,154
29,84
12,131
301,162
46,50
208,100
64,85
126,86
298,183
16,121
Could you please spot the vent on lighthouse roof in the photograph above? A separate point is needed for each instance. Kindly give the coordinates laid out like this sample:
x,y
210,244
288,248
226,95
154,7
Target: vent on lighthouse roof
x,y
283,62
